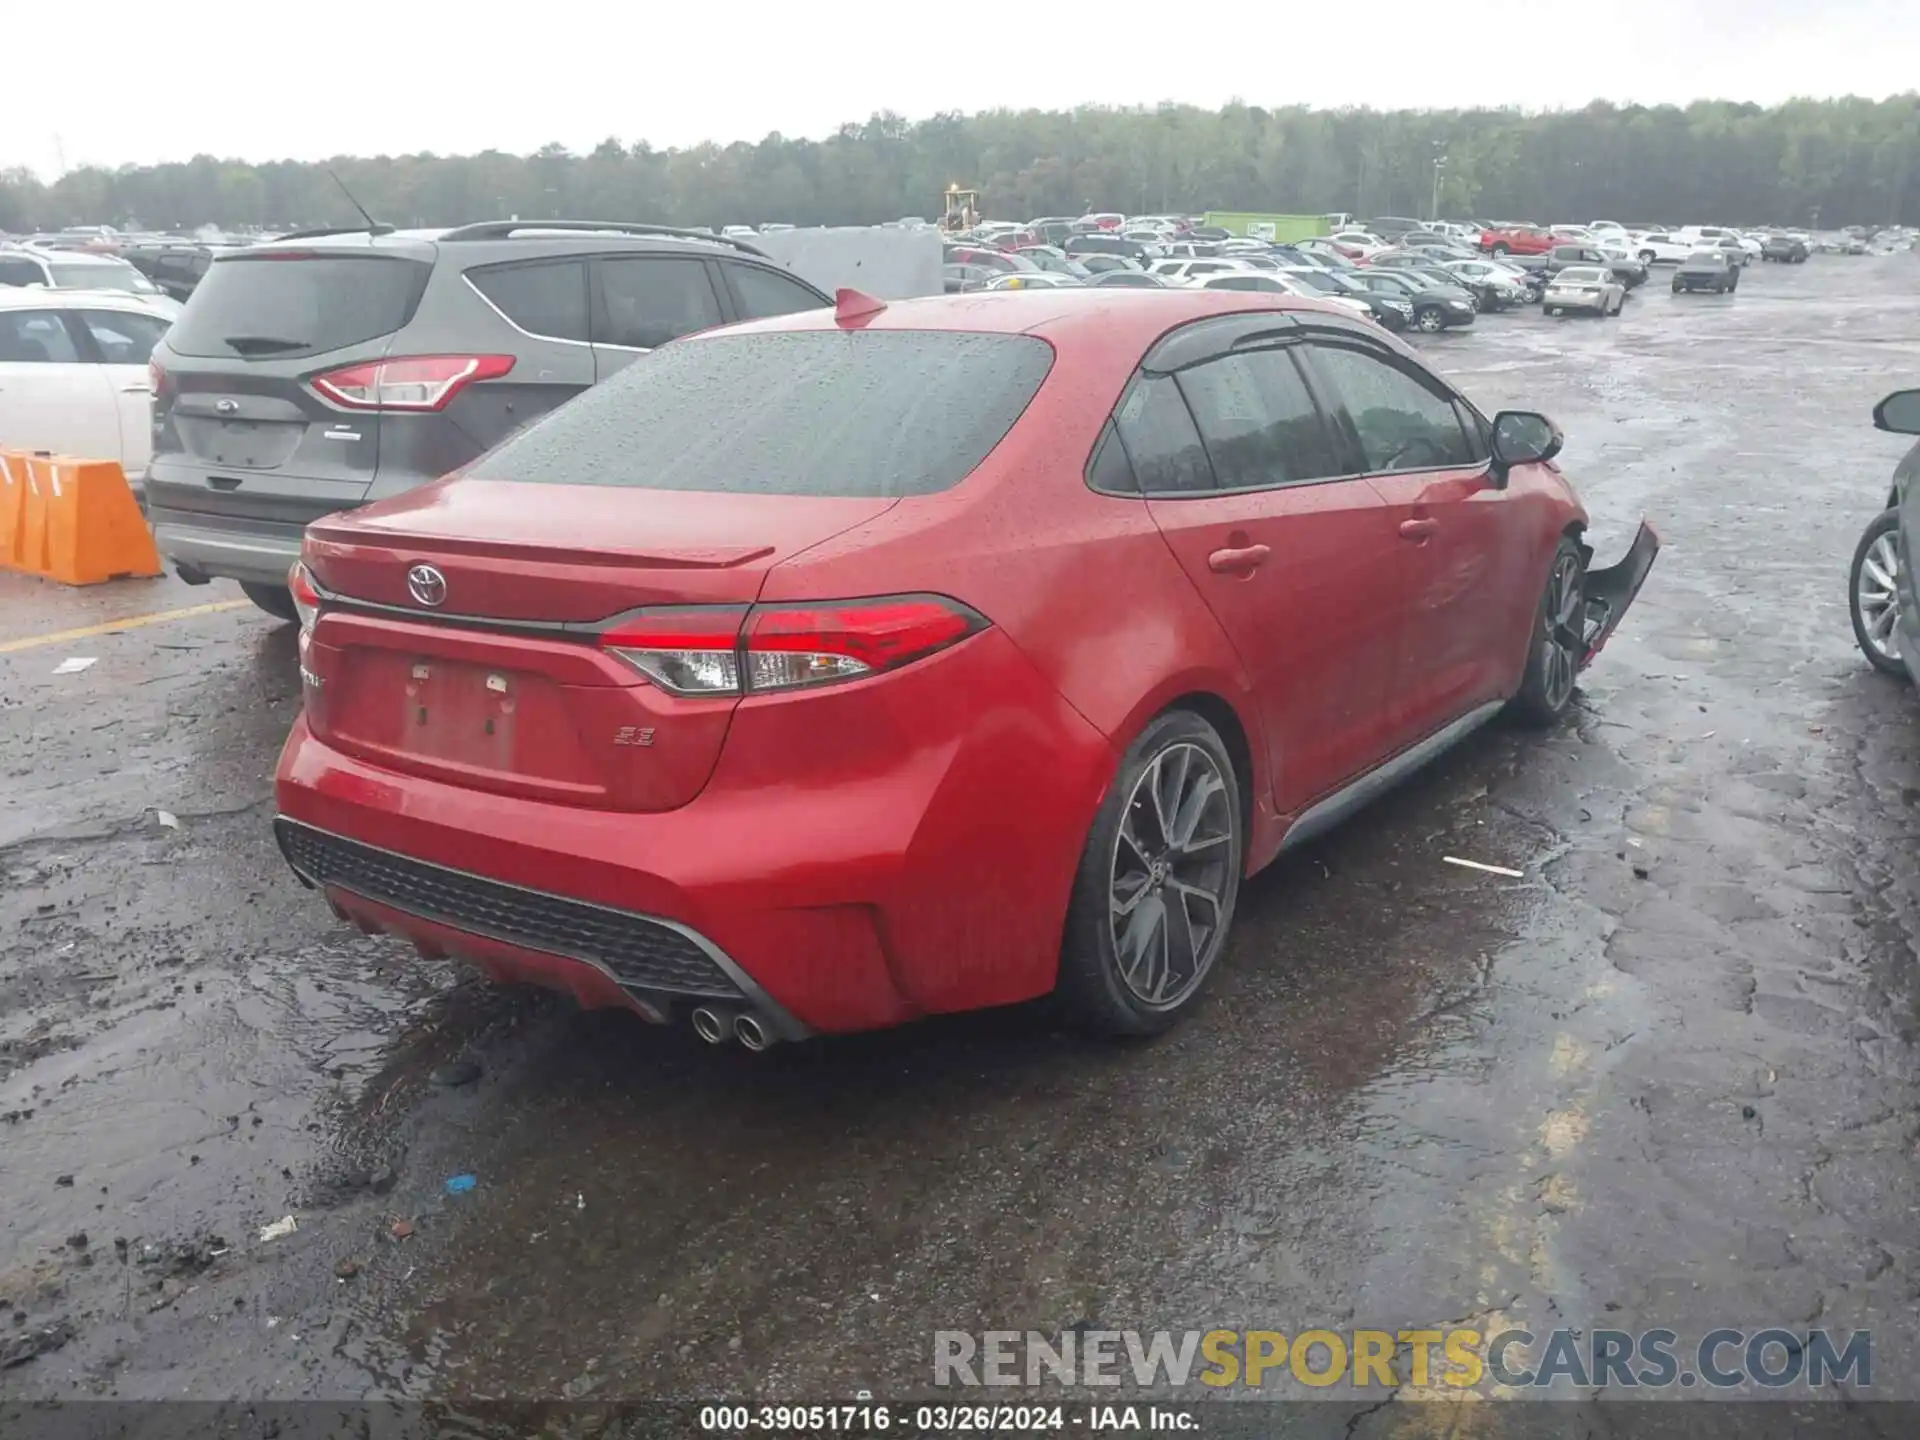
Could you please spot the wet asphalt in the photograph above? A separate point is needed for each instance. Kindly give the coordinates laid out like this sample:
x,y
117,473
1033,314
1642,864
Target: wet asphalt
x,y
1668,1078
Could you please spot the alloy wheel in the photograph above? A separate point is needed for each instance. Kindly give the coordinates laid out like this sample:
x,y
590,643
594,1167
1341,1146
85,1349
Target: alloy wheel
x,y
1171,875
1430,321
1876,596
1560,638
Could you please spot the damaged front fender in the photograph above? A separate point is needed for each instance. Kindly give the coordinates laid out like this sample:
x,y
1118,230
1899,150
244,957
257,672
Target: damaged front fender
x,y
1608,593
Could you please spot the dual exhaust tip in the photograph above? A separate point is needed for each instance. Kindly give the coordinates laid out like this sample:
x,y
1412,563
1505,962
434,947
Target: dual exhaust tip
x,y
716,1025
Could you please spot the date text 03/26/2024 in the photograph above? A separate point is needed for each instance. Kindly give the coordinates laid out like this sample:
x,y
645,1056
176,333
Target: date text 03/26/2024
x,y
873,1418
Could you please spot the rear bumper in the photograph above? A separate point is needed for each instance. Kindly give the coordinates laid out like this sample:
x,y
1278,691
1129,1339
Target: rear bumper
x,y
260,552
901,848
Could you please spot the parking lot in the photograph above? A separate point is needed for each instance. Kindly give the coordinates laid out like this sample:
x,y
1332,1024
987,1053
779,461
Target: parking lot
x,y
1666,1079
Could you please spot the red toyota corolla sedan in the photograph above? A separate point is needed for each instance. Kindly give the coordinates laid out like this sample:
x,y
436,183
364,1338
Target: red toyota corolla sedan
x,y
828,671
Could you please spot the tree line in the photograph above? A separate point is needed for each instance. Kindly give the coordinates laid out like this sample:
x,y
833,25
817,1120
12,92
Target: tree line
x,y
1807,162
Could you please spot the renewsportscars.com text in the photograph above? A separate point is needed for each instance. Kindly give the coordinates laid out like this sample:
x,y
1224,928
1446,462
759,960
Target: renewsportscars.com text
x,y
1456,1357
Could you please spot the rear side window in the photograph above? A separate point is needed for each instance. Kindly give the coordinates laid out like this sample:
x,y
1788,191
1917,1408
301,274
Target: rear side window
x,y
267,307
1157,429
767,292
548,299
1259,423
123,339
805,412
648,300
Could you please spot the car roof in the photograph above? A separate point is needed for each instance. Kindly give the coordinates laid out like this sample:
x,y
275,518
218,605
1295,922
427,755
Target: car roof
x,y
1091,314
14,297
421,243
64,257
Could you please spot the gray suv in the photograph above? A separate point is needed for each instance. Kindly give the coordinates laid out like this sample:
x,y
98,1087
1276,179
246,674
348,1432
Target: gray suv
x,y
328,369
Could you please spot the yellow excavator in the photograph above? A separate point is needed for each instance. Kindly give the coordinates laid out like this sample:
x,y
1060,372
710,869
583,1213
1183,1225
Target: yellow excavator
x,y
963,210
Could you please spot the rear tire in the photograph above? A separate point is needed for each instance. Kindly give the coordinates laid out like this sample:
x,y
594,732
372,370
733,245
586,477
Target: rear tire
x,y
1554,643
276,600
1151,910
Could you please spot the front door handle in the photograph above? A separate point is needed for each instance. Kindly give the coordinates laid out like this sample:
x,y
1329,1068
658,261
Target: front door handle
x,y
1418,529
136,389
1237,561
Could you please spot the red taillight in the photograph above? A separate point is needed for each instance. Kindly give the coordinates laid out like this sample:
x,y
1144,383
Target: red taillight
x,y
790,646
703,650
416,382
684,649
306,599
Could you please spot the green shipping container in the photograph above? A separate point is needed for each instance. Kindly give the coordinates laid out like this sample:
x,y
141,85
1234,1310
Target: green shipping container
x,y
1281,228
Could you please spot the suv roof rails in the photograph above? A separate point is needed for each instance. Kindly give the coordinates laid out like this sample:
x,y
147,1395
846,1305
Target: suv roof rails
x,y
507,229
317,233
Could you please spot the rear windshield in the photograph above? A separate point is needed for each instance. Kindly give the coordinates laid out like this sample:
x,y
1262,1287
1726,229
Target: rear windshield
x,y
264,307
102,277
805,412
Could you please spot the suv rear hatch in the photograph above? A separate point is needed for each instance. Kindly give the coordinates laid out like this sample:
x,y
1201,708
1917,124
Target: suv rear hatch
x,y
574,618
239,430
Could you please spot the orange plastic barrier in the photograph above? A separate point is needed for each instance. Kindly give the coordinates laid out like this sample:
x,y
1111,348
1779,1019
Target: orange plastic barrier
x,y
76,520
13,508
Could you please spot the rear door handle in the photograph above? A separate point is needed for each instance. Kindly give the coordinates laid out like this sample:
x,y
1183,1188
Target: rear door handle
x,y
136,389
1234,562
1418,529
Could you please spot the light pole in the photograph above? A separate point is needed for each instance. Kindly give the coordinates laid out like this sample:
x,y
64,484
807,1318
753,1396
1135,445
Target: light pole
x,y
1439,164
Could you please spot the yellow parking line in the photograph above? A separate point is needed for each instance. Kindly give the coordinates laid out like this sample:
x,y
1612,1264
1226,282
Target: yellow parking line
x,y
132,622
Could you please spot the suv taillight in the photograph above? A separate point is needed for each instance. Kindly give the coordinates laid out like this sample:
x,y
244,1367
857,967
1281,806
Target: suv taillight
x,y
729,650
306,599
417,382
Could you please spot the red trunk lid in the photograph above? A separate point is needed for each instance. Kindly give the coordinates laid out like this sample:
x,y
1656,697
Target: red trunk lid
x,y
502,686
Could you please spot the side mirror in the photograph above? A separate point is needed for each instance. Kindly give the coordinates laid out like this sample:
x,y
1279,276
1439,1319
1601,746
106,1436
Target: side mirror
x,y
1899,413
1522,437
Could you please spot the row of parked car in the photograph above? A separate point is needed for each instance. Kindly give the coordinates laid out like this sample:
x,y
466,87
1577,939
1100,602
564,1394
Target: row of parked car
x,y
1429,282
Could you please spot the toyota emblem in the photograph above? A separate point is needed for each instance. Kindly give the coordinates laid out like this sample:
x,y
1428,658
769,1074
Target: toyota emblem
x,y
427,585
227,407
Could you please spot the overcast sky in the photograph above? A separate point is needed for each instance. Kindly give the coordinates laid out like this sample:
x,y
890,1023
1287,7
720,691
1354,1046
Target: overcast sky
x,y
113,81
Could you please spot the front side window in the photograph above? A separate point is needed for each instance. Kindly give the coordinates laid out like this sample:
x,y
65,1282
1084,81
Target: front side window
x,y
35,337
650,299
1258,421
766,292
1402,423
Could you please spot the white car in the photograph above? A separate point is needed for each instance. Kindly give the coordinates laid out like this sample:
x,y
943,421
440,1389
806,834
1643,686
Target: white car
x,y
1178,272
1352,242
1278,284
1584,287
1659,248
1035,280
27,266
73,374
1705,237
